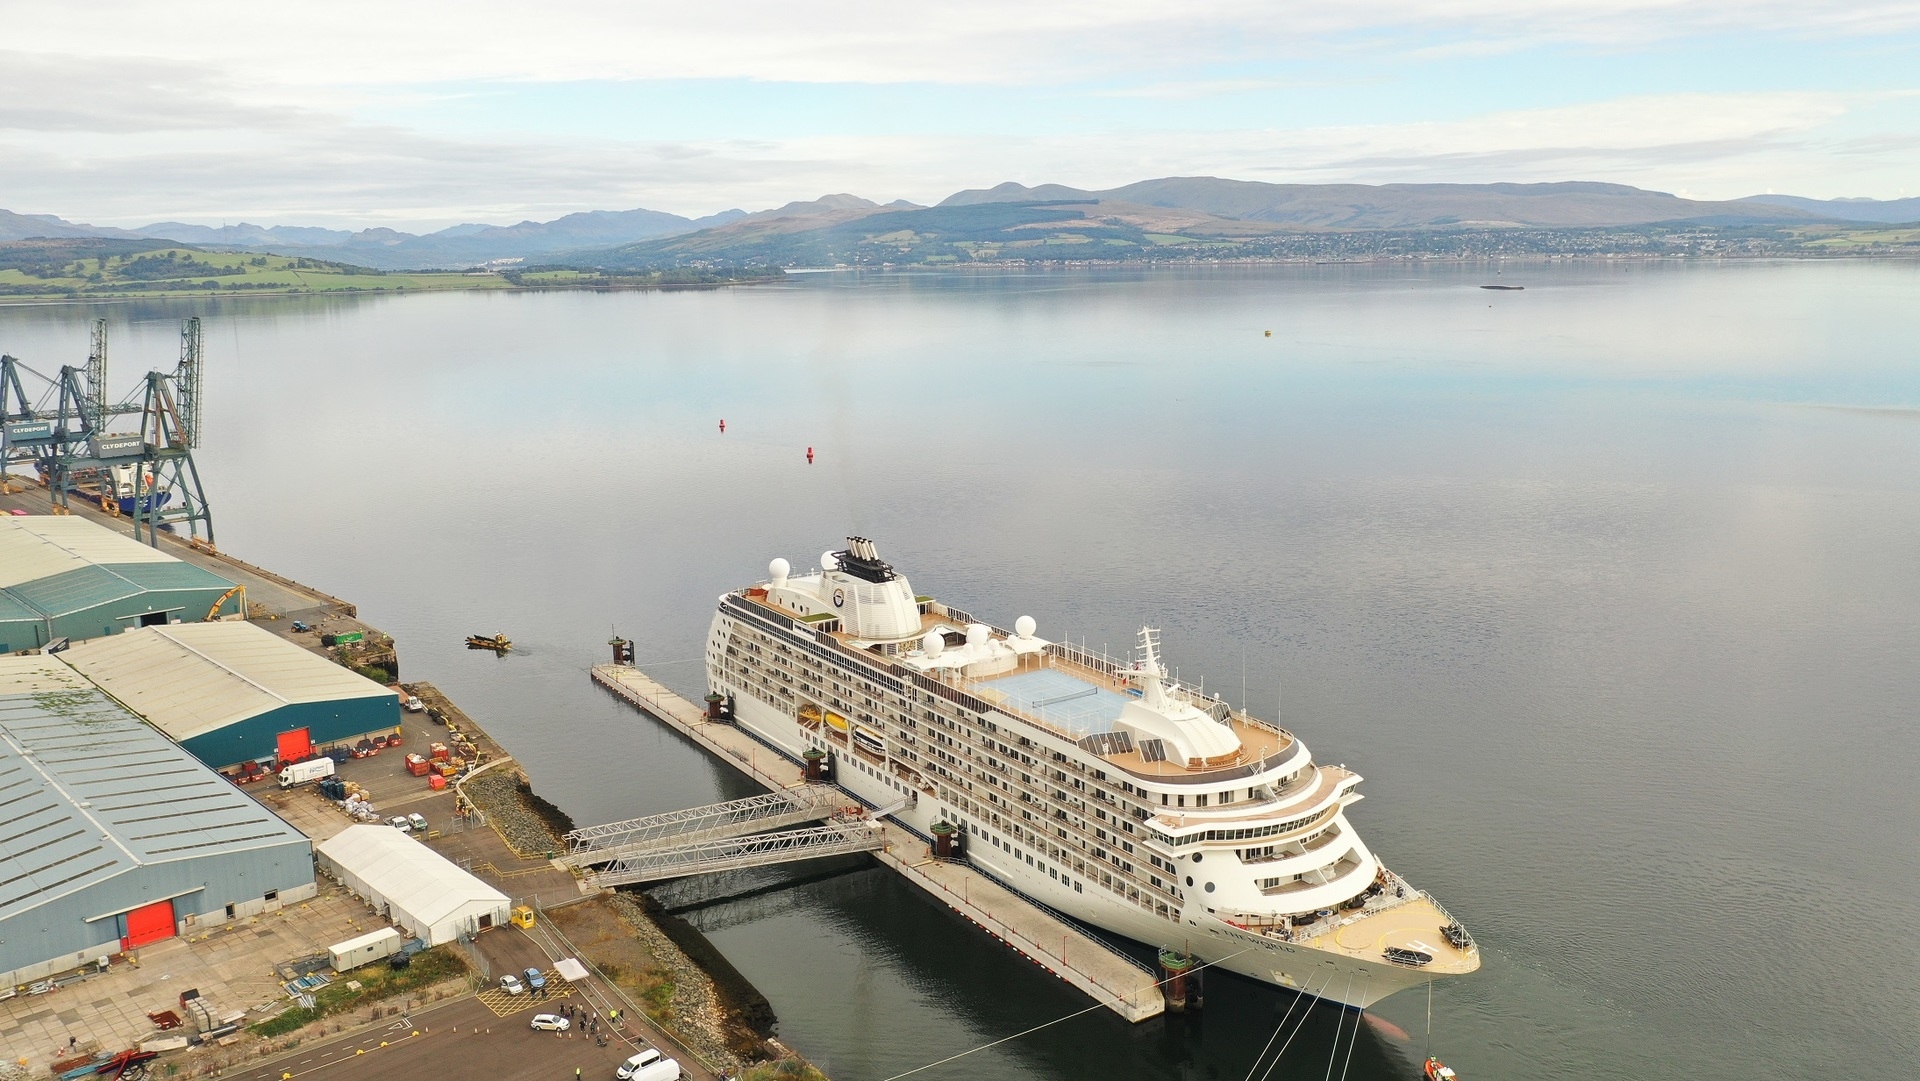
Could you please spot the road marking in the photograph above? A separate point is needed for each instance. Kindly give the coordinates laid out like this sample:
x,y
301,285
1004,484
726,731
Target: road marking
x,y
362,1051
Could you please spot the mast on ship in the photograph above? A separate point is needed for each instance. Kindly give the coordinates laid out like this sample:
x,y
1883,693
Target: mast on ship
x,y
1148,670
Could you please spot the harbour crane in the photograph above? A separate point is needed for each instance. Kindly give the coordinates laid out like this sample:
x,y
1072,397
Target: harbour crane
x,y
64,433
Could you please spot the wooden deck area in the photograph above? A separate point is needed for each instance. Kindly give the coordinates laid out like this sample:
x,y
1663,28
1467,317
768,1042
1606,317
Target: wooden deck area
x,y
1415,924
1055,945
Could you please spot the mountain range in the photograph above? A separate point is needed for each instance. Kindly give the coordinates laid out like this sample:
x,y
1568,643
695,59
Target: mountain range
x,y
1046,221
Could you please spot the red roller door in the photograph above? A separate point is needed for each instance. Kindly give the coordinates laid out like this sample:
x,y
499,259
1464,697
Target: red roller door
x,y
295,746
149,923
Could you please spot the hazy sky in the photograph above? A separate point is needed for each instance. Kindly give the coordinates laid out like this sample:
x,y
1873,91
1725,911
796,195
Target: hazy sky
x,y
421,113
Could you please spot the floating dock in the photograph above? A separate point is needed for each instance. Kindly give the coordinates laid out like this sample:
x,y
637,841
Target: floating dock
x,y
1061,948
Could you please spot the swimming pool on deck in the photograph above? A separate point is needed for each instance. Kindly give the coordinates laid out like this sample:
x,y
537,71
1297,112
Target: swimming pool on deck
x,y
1060,699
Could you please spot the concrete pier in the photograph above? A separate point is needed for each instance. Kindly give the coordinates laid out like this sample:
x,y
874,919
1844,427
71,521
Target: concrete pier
x,y
1053,944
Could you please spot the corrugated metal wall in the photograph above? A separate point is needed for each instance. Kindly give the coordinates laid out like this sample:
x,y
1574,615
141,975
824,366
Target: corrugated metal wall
x,y
64,933
326,722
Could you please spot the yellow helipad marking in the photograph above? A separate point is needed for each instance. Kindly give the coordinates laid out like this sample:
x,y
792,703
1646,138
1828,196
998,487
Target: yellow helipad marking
x,y
503,1004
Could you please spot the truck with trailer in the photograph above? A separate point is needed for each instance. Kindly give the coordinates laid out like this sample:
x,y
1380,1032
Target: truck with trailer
x,y
305,772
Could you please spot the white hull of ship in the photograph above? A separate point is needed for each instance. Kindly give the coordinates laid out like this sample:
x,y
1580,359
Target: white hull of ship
x,y
1335,977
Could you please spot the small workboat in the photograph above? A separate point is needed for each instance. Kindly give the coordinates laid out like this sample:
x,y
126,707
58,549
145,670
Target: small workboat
x,y
1437,1072
498,643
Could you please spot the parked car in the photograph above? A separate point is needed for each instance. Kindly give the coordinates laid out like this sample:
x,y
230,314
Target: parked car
x,y
299,626
535,980
418,821
511,985
550,1022
414,705
400,823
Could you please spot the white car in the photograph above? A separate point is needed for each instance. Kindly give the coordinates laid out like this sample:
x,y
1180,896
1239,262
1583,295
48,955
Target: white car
x,y
648,1066
414,705
400,823
418,821
550,1022
511,985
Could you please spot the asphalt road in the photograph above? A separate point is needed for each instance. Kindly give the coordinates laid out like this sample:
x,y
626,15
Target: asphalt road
x,y
459,1039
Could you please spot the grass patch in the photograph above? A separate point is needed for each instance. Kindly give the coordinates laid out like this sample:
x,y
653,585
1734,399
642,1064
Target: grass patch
x,y
40,269
652,987
377,982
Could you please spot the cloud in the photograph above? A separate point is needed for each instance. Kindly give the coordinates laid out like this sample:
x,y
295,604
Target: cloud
x,y
65,93
359,174
331,114
361,42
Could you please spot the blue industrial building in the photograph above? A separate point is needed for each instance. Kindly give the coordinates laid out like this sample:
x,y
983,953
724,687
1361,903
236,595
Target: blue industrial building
x,y
231,692
62,576
113,837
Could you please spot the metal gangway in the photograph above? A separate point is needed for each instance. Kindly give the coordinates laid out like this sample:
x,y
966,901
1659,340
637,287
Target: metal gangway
x,y
616,841
739,853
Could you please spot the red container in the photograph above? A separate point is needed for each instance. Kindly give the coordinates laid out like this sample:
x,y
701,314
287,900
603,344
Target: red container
x,y
436,782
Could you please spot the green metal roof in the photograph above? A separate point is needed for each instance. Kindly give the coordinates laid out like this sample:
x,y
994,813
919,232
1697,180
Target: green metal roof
x,y
90,587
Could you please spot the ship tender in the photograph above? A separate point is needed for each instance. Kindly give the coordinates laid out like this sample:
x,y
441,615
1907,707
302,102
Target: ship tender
x,y
1103,789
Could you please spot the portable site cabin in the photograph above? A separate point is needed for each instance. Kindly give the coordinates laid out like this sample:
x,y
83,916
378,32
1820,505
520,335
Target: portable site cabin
x,y
368,948
411,885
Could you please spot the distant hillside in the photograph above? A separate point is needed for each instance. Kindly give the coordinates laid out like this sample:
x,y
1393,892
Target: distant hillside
x,y
1171,217
1572,205
867,234
27,226
459,245
1887,211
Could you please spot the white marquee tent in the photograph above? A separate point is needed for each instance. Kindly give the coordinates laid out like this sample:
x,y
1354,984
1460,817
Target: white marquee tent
x,y
414,887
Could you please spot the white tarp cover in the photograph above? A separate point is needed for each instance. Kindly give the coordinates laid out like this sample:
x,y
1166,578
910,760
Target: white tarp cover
x,y
570,970
418,889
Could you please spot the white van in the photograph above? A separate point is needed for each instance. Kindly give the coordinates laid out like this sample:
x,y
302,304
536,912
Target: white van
x,y
648,1066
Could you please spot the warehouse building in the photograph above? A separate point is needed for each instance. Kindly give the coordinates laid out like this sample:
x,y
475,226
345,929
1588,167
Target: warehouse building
x,y
233,692
112,838
412,887
62,576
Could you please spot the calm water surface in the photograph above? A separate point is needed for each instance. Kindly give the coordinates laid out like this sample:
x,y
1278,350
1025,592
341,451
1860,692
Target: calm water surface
x,y
1607,587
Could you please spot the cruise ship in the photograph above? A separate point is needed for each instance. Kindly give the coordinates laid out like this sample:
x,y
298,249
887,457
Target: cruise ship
x,y
1101,788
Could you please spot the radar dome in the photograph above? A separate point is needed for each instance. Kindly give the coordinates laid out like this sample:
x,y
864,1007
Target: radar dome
x,y
828,563
1024,626
977,634
933,643
778,570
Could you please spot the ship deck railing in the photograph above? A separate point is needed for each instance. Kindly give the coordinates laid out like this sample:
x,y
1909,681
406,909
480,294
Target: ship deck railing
x,y
1396,891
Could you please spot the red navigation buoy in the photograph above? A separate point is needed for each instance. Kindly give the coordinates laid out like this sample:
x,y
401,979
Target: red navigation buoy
x,y
723,425
809,455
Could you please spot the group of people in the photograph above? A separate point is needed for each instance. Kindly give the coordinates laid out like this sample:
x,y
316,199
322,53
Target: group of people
x,y
589,1020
